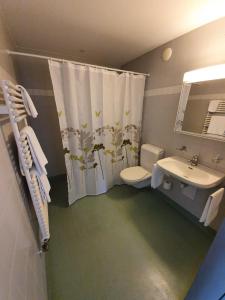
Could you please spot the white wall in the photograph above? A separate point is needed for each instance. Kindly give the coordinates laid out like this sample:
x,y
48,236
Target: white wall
x,y
22,269
199,48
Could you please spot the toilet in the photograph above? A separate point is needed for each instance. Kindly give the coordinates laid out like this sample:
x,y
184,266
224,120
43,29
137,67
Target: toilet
x,y
140,176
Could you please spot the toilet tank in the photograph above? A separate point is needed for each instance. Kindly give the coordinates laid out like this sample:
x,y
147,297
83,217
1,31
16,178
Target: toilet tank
x,y
150,154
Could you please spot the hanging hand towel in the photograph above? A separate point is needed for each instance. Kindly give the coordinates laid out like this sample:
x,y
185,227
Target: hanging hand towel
x,y
213,105
37,153
212,207
43,184
157,176
217,125
28,103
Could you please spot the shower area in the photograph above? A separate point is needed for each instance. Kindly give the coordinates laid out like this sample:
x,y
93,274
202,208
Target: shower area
x,y
89,120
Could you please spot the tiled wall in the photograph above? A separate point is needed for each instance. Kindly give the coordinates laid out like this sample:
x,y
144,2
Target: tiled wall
x,y
22,269
202,47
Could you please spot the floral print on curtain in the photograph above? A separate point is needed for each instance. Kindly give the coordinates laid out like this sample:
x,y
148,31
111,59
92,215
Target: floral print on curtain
x,y
124,143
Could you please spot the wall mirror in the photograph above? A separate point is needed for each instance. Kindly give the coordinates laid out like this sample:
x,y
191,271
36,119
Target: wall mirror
x,y
201,110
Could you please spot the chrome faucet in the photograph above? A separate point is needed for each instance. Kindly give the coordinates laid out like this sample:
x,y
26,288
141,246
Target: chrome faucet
x,y
194,160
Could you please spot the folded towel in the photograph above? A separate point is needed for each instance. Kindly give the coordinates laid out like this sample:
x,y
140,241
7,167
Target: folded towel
x,y
157,176
212,207
217,125
37,153
28,103
43,184
213,105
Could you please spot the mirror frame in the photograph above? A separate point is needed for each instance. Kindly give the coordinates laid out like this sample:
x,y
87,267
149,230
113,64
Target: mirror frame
x,y
199,75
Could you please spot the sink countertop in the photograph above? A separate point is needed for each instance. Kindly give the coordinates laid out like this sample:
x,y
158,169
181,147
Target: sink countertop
x,y
199,176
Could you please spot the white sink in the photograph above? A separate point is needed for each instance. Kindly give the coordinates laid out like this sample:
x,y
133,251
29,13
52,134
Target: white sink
x,y
199,176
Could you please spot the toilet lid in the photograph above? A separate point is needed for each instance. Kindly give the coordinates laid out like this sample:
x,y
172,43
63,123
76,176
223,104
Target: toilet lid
x,y
134,174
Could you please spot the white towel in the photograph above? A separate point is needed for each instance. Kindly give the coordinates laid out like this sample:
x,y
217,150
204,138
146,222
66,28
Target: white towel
x,y
37,153
28,103
213,105
43,184
217,125
212,207
157,176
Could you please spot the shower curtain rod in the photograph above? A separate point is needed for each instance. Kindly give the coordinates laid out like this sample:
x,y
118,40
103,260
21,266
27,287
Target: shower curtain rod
x,y
71,61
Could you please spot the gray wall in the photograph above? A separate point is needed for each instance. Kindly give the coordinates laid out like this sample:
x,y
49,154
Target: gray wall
x,y
195,114
202,47
22,269
34,74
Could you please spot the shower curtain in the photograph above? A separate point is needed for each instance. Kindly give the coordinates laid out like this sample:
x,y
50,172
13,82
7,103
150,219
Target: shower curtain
x,y
100,115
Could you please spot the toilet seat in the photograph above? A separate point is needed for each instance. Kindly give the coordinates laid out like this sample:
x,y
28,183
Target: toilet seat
x,y
134,174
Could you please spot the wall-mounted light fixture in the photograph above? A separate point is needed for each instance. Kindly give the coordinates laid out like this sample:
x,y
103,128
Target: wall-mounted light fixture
x,y
204,74
167,53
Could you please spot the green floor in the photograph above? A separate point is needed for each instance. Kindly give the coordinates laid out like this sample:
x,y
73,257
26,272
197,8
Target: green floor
x,y
127,244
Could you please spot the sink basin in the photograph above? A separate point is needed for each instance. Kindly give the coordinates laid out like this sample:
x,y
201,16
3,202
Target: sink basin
x,y
198,176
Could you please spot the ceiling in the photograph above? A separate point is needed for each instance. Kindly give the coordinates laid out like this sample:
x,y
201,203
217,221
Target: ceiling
x,y
105,32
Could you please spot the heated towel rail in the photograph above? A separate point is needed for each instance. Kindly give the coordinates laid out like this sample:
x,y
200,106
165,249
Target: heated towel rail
x,y
220,110
18,117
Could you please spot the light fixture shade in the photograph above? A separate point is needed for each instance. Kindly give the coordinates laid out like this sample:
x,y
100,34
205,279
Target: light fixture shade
x,y
167,53
204,74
